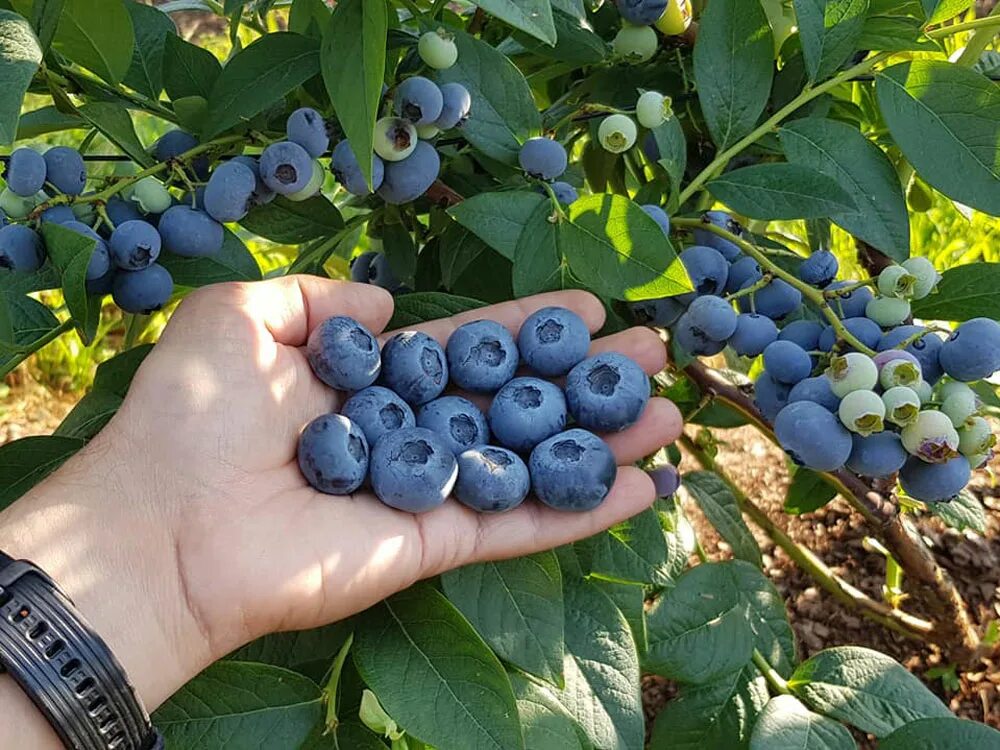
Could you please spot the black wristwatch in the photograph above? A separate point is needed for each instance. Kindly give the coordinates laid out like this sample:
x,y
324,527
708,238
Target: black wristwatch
x,y
65,668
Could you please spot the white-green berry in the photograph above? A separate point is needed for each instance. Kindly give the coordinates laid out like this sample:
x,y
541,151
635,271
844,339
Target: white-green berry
x,y
652,109
862,412
887,311
948,388
852,372
925,274
635,44
15,206
313,186
902,405
427,132
924,390
896,281
975,437
931,437
617,133
151,195
959,406
395,138
437,49
900,372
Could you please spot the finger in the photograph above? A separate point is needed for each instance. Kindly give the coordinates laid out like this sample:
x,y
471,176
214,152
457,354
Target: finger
x,y
660,424
639,343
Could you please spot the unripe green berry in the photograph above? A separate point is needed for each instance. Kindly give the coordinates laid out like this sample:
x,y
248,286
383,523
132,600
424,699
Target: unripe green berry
x,y
896,281
652,109
395,138
888,311
313,186
902,405
975,437
931,437
635,44
949,388
437,49
617,133
852,372
427,132
925,274
151,195
924,390
959,406
899,372
862,412
16,206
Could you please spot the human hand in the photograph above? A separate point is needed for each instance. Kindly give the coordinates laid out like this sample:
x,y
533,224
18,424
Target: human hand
x,y
190,503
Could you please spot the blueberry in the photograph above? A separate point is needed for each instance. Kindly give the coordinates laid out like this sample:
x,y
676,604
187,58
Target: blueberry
x,y
57,215
652,109
730,251
395,138
617,133
896,281
482,356
135,244
120,211
658,215
896,367
707,269
888,311
573,470
753,334
877,456
456,420
343,354
410,178
230,190
934,483
173,143
776,300
852,372
818,391
972,352
770,396
563,191
360,266
635,44
419,100
666,479
333,454
380,273
641,12
713,317
902,405
812,436
850,304
306,127
864,330
743,273
190,233
21,249
926,349
862,412
491,479
662,312
346,169
787,362
376,411
931,437
805,333
151,195
525,412
650,148
553,340
285,167
102,285
16,207
413,470
693,340
543,158
313,186
100,258
142,291
25,173
261,193
607,392
456,105
925,274
414,366
438,49
819,269
65,170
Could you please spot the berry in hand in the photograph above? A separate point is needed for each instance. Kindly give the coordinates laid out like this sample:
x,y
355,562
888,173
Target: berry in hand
x,y
543,158
376,411
333,454
343,354
862,412
415,367
972,352
572,470
812,436
306,127
607,392
482,356
437,49
491,479
134,245
553,340
456,420
525,412
65,170
412,469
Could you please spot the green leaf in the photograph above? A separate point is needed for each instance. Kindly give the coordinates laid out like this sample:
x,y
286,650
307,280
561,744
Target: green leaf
x,y
152,27
71,252
618,251
499,219
576,44
601,670
630,599
963,512
533,17
672,145
233,262
96,35
946,120
504,110
44,120
773,634
633,551
414,309
716,716
241,704
399,249
293,222
115,122
26,462
45,20
188,70
942,734
23,320
719,505
785,724
545,723
20,55
862,169
864,688
460,249
696,636
447,665
308,17
572,8
829,31
308,652
807,492
540,263
353,63
115,374
895,34
733,67
517,607
964,292
781,191
945,9
259,75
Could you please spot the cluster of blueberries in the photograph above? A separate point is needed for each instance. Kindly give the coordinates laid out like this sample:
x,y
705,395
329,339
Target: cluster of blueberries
x,y
636,41
908,410
417,446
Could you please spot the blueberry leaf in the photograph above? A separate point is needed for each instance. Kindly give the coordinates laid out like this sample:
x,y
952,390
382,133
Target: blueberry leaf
x,y
965,511
807,492
152,27
188,70
781,191
499,219
964,292
533,17
949,733
23,321
101,41
233,262
26,462
70,252
546,724
829,30
633,551
294,222
45,20
413,309
115,123
785,724
20,55
719,504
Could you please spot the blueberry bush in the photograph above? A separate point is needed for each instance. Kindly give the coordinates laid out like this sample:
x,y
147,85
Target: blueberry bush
x,y
743,175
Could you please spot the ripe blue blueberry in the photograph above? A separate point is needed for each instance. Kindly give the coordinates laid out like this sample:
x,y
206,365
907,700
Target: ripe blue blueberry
x,y
713,317
972,352
100,258
102,285
818,391
666,479
641,12
607,392
415,367
935,483
553,340
753,334
661,312
380,273
419,100
482,356
776,300
812,436
707,269
491,479
658,215
456,420
65,170
563,191
819,269
770,396
525,412
135,244
456,105
230,190
926,349
693,340
376,411
787,362
333,454
142,291
120,211
649,147
189,232
261,193
863,329
805,333
173,143
850,304
543,158
346,169
408,179
25,173
879,455
21,249
730,251
360,266
305,126
413,470
573,470
285,167
743,273
343,354
57,215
